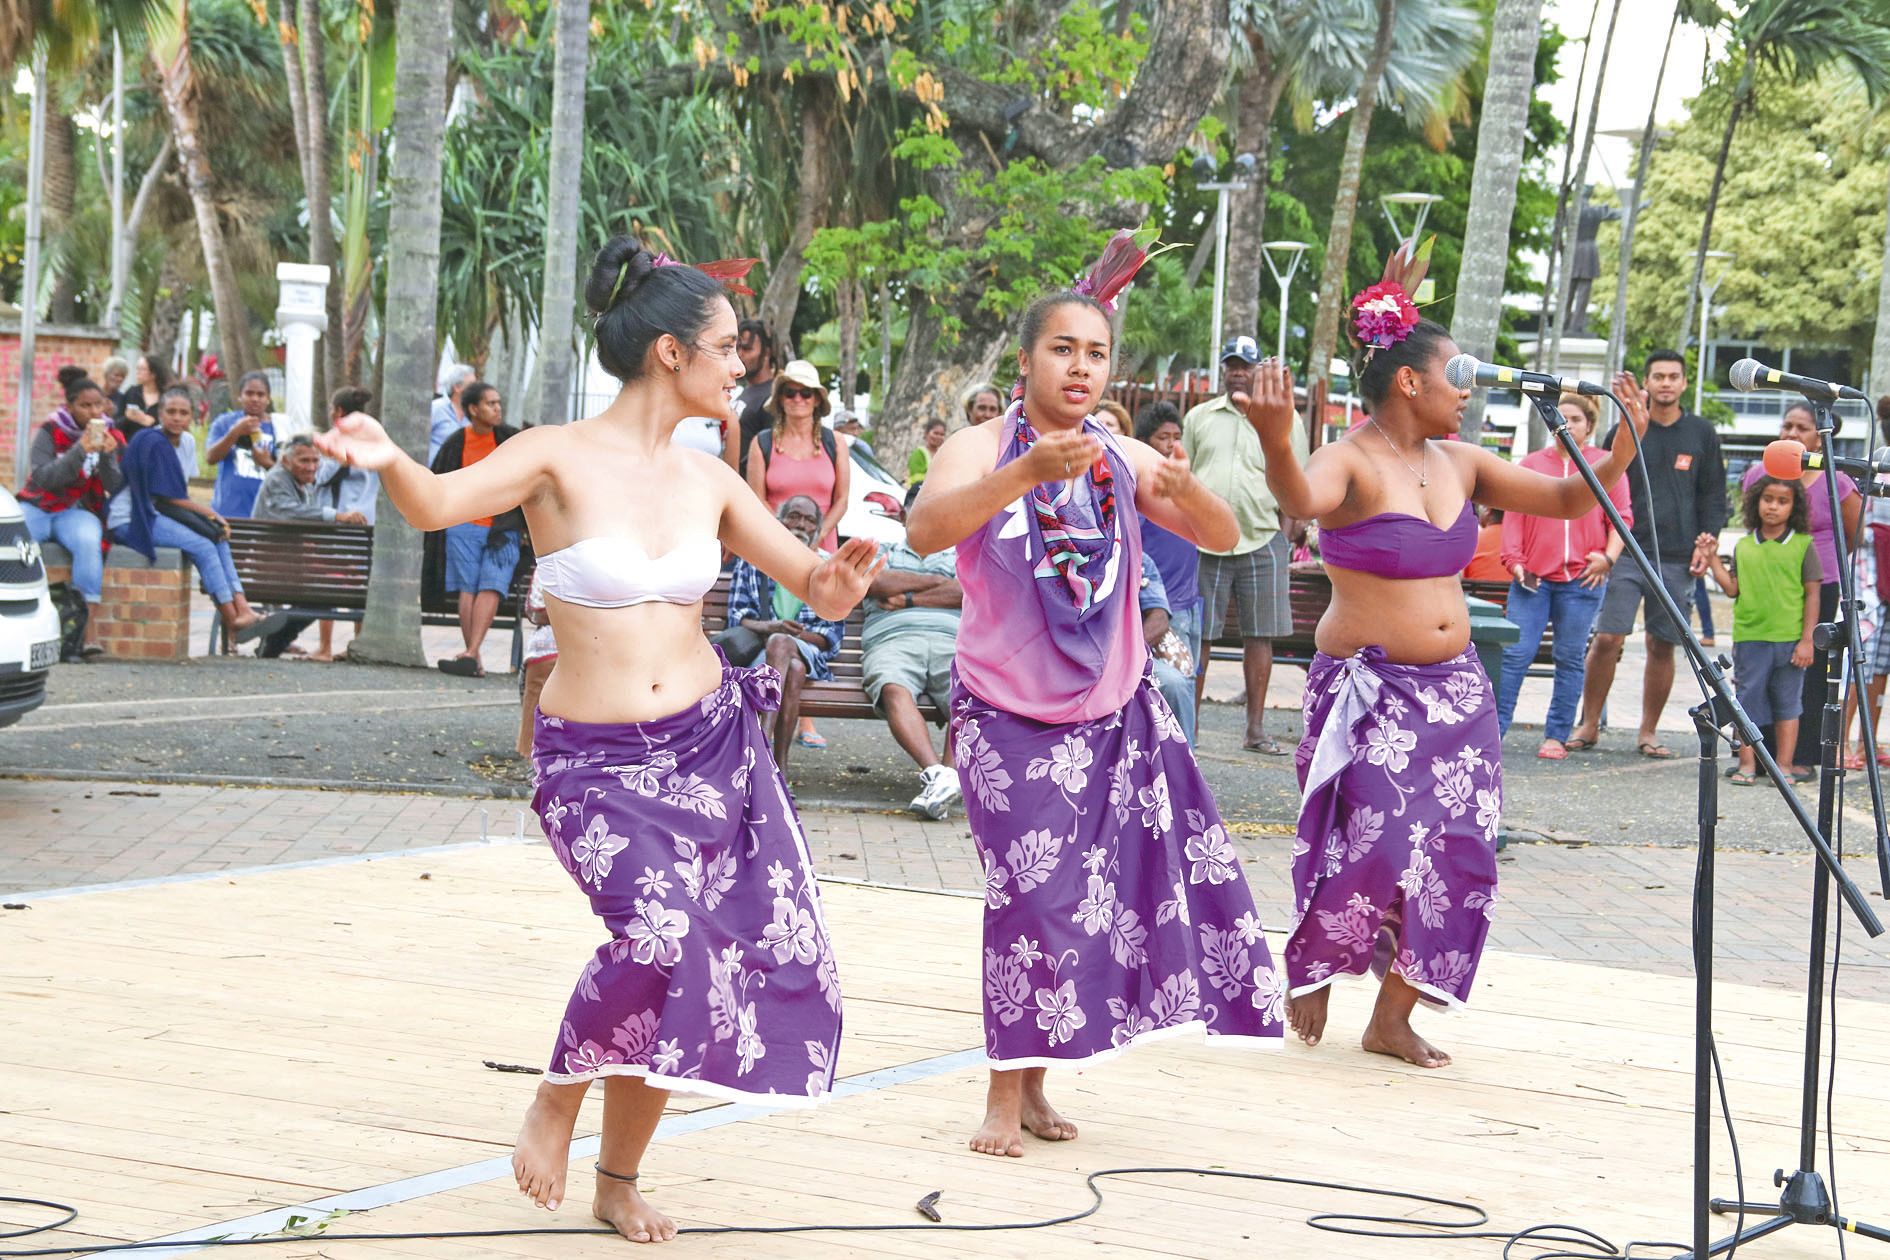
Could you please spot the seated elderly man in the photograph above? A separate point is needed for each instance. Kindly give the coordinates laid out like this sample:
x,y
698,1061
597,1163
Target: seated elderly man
x,y
1176,687
912,612
766,621
292,491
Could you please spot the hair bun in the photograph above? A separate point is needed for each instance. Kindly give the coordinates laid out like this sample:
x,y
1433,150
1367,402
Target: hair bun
x,y
621,267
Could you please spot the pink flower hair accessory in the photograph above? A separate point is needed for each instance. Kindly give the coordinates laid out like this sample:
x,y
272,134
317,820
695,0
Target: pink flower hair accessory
x,y
1383,315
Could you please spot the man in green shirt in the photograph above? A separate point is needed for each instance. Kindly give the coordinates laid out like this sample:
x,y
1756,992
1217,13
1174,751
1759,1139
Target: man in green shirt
x,y
1225,454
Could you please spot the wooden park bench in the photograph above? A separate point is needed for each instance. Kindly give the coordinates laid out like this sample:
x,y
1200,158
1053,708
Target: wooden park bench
x,y
842,697
321,570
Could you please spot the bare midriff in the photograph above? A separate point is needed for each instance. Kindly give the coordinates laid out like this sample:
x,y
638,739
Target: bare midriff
x,y
632,664
1417,621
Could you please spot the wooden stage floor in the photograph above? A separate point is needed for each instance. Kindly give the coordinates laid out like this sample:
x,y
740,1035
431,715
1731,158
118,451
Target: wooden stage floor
x,y
187,1055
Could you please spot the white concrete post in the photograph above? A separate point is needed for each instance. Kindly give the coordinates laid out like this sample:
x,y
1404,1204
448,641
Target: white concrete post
x,y
302,317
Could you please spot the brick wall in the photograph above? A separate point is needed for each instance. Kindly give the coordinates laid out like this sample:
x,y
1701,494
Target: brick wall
x,y
54,346
145,615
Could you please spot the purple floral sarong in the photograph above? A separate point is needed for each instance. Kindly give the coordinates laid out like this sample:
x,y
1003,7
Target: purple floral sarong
x,y
1401,783
718,977
1115,908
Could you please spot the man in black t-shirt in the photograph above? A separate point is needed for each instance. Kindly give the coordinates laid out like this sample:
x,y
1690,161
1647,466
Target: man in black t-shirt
x,y
1680,462
756,346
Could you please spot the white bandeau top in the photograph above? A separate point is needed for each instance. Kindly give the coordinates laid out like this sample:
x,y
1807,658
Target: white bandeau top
x,y
615,572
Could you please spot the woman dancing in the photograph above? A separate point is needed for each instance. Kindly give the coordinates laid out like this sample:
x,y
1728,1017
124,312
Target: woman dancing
x,y
654,784
1115,910
1399,769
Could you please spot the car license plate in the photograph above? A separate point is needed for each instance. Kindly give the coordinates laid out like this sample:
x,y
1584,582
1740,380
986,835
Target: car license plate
x,y
43,655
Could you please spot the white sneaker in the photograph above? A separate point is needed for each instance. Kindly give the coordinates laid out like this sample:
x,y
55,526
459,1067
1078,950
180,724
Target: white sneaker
x,y
941,789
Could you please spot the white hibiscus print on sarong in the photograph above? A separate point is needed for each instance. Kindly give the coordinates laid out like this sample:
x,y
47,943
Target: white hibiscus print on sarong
x,y
1424,889
1157,813
708,882
595,850
1354,927
1489,811
1453,787
1058,1012
668,1057
695,794
1097,910
995,877
983,768
792,935
1027,952
589,1057
1067,765
656,933
1269,994
748,1043
635,1035
822,1064
1438,709
1131,1023
645,778
1167,725
1387,744
1224,960
1479,900
1211,853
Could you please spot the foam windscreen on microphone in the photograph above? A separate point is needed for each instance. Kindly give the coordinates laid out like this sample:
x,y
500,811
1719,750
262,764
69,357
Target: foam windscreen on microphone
x,y
1744,374
1785,458
1461,371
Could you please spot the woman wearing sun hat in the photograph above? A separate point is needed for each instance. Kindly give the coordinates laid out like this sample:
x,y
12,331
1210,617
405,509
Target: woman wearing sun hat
x,y
800,455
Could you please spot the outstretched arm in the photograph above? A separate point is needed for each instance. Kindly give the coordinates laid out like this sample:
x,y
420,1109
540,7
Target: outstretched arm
x,y
831,587
1168,493
512,474
1512,488
963,491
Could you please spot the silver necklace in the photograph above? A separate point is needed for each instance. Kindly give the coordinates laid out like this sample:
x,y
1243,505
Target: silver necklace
x,y
1422,480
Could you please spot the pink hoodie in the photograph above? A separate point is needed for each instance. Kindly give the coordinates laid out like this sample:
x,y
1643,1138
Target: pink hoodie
x,y
1557,551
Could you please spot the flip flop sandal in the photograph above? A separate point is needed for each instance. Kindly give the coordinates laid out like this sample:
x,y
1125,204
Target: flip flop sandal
x,y
811,741
1654,752
462,667
1740,778
1266,746
91,652
1803,774
266,625
1578,744
1546,753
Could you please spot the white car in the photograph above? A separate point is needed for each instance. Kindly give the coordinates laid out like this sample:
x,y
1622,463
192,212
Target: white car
x,y
29,624
876,502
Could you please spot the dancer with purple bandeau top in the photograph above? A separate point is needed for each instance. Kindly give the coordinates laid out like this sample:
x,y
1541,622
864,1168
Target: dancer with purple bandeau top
x,y
1394,868
1115,909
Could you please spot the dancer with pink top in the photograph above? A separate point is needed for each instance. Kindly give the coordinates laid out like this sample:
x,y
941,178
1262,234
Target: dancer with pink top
x,y
1115,909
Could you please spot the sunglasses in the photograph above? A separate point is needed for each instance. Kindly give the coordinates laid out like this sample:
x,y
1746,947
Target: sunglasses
x,y
794,392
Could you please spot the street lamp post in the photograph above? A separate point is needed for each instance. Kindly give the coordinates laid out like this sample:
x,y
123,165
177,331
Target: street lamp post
x,y
1706,309
1292,252
1244,164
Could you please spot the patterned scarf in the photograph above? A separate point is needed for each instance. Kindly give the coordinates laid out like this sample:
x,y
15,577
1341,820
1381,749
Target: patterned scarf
x,y
87,490
1076,549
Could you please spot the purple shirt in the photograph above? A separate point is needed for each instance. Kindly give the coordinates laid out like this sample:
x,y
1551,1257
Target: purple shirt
x,y
1177,560
1818,502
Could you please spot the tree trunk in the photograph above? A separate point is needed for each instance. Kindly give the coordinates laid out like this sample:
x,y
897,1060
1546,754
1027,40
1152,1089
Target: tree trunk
x,y
550,399
851,299
1176,84
1345,205
812,199
321,196
1578,187
1617,317
390,631
1515,31
357,248
170,54
167,310
1740,95
287,36
61,175
1561,194
1879,382
1247,208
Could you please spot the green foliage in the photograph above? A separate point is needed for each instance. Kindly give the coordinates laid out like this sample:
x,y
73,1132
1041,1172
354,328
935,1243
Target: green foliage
x,y
1802,212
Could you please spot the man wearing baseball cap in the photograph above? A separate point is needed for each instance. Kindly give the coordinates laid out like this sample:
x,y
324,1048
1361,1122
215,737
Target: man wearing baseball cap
x,y
1225,454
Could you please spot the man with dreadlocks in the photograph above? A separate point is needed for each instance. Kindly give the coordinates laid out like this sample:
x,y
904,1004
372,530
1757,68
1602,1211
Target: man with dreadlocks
x,y
1400,773
1115,910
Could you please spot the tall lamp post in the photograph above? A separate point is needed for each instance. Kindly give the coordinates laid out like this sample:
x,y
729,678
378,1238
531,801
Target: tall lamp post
x,y
1394,204
1706,310
1283,259
1244,165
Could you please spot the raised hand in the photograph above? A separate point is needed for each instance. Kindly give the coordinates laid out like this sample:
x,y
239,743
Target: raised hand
x,y
1270,408
839,582
359,441
1061,454
1172,474
1634,400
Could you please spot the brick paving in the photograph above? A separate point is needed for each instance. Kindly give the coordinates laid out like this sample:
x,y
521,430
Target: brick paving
x,y
1615,905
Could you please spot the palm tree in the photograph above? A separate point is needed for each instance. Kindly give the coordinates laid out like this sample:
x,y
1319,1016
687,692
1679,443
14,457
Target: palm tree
x,y
1516,30
551,382
390,630
1880,340
177,86
1575,188
1617,316
1786,39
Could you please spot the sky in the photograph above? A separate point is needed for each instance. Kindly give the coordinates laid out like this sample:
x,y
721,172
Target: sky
x,y
1640,35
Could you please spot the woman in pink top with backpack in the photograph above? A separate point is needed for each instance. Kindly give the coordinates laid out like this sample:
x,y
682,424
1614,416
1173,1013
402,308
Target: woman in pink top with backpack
x,y
1560,571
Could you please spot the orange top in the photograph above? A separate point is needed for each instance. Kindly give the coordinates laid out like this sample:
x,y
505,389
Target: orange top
x,y
478,446
1487,564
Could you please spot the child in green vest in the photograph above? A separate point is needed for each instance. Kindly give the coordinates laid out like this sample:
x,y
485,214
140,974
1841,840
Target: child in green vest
x,y
1773,583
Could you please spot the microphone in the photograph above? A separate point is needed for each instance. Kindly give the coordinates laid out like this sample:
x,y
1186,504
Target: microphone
x,y
1788,460
1465,372
1750,374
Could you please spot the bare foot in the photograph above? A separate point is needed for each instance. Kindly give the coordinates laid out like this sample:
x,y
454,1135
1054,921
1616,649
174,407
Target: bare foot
x,y
1002,1132
323,658
1307,1014
1039,1118
1399,1040
622,1206
544,1143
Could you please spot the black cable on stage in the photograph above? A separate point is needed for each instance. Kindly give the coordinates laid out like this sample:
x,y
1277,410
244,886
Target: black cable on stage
x,y
1551,1241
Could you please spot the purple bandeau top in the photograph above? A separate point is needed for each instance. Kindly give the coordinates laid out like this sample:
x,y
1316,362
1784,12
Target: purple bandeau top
x,y
1399,545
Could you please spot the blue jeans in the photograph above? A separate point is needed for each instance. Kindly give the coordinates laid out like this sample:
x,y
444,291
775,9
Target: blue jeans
x,y
213,560
1571,608
1179,693
82,535
1186,622
1705,606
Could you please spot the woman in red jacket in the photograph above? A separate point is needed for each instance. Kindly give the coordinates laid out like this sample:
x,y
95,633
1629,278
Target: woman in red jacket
x,y
1559,570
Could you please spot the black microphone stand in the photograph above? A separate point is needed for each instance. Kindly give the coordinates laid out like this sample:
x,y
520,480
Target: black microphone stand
x,y
1805,1199
1721,709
